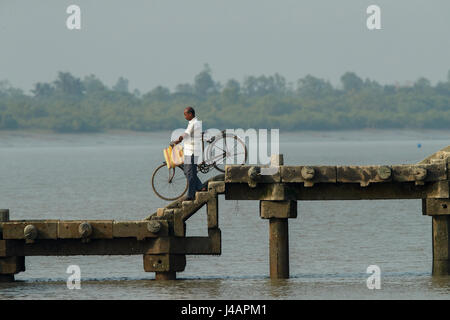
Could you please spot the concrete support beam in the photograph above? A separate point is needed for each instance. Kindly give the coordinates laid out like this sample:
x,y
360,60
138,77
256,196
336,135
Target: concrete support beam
x,y
212,212
116,246
337,191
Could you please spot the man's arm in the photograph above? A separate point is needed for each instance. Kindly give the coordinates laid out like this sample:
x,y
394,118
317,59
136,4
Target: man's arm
x,y
180,138
186,133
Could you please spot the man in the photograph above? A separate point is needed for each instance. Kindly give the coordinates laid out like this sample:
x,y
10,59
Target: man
x,y
192,148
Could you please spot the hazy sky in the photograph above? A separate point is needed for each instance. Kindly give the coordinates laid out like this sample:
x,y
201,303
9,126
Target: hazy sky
x,y
152,42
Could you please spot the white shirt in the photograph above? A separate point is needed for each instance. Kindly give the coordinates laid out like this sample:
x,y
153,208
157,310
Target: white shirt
x,y
193,142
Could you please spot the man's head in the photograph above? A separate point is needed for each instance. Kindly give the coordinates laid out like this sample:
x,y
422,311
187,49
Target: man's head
x,y
189,113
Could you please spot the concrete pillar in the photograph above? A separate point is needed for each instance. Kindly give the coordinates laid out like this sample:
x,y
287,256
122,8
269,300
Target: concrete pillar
x,y
441,245
278,213
170,275
9,266
6,278
5,263
439,210
4,215
279,248
165,266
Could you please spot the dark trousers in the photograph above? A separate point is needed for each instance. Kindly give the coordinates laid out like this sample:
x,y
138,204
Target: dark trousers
x,y
190,170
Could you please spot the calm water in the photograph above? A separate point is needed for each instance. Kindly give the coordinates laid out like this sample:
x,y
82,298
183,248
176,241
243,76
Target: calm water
x,y
107,176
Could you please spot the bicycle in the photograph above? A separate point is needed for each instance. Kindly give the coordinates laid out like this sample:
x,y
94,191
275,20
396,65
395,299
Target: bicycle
x,y
172,184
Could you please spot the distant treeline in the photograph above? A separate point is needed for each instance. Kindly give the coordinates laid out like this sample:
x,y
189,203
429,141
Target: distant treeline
x,y
71,104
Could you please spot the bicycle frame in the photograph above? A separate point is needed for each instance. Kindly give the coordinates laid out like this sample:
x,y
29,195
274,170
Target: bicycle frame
x,y
223,132
211,161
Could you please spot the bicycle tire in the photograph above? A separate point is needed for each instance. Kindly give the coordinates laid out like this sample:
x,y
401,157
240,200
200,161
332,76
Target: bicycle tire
x,y
159,192
219,138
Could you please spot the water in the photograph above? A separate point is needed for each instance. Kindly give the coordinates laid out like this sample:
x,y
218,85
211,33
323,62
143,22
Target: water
x,y
107,176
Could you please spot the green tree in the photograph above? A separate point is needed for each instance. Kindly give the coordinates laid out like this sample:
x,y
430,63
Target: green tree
x,y
160,93
204,83
43,90
231,92
93,85
68,84
313,87
185,88
121,85
351,82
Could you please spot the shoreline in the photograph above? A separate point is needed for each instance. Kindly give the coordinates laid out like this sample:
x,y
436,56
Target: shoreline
x,y
132,132
40,138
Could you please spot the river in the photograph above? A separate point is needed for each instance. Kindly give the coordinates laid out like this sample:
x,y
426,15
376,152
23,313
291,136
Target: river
x,y
107,176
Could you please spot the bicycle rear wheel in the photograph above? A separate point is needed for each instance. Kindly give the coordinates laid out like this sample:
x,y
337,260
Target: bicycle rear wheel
x,y
169,184
226,149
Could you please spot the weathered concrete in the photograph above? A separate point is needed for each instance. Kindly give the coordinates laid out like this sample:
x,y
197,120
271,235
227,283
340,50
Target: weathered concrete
x,y
169,275
434,207
116,246
438,209
79,229
157,239
428,180
278,209
6,278
9,266
337,191
43,229
441,245
279,248
4,216
164,262
12,265
363,175
212,212
161,237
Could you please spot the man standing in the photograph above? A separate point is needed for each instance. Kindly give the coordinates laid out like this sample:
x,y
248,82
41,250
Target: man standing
x,y
192,148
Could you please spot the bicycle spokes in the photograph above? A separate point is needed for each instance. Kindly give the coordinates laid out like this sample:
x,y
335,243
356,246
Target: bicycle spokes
x,y
169,184
226,149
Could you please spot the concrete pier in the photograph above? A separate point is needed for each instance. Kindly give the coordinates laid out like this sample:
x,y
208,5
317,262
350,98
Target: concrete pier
x,y
279,191
161,238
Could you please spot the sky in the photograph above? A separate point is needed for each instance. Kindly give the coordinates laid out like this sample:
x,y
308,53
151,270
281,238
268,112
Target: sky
x,y
167,42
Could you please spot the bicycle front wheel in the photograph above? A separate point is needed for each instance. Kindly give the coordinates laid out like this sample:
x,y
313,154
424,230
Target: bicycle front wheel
x,y
169,184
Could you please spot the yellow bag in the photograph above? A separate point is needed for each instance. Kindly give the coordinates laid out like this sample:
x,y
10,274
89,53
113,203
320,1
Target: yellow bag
x,y
174,156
